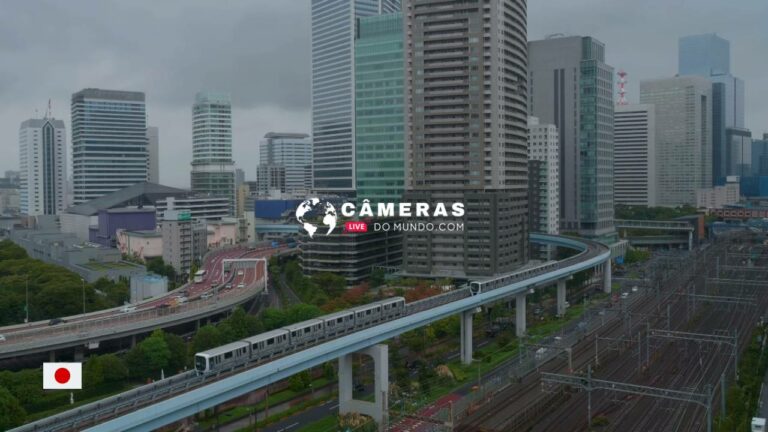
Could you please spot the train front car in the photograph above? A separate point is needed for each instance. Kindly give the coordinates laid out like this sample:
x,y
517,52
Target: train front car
x,y
223,357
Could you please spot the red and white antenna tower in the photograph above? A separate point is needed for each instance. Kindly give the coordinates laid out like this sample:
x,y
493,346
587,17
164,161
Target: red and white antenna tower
x,y
622,90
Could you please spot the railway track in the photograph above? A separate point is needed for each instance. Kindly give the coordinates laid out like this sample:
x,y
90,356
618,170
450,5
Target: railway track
x,y
667,369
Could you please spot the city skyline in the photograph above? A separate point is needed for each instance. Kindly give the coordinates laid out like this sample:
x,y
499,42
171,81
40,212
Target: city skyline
x,y
160,63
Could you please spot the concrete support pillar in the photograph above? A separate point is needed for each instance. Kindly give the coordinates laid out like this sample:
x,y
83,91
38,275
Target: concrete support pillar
x,y
466,337
133,341
690,240
79,354
561,297
52,356
520,315
607,277
379,408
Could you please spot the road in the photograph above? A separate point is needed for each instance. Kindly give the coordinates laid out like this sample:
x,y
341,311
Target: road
x,y
26,336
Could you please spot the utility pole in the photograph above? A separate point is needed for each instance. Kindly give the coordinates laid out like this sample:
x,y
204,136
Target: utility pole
x,y
26,291
83,280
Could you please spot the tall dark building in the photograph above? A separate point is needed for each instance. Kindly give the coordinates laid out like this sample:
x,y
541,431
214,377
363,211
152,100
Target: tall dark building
x,y
466,133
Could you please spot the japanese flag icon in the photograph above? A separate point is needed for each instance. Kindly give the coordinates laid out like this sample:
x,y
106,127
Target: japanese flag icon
x,y
62,376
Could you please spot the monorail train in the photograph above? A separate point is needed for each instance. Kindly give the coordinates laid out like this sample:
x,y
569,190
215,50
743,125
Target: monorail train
x,y
289,338
491,284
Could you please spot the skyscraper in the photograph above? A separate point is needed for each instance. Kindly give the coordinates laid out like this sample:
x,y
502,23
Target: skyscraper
x,y
571,87
333,86
466,133
543,177
703,55
709,55
153,150
43,166
683,136
379,115
292,152
109,142
213,171
634,155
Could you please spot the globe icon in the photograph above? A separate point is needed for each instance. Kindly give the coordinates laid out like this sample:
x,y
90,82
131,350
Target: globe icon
x,y
316,206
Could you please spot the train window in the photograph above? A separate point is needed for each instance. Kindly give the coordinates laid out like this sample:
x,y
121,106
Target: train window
x,y
368,312
228,355
306,330
270,341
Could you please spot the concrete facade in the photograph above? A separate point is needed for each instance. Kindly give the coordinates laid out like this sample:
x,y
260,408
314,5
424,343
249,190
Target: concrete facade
x,y
119,119
683,136
543,177
466,134
634,155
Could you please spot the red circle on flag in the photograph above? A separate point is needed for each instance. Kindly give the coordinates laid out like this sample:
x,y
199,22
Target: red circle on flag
x,y
61,375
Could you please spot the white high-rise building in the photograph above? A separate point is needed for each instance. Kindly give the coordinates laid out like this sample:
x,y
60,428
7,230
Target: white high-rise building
x,y
109,142
153,157
293,151
43,166
634,155
333,89
544,146
683,136
213,170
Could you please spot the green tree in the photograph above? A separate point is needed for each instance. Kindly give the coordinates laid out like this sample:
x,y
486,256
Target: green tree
x,y
93,372
178,349
206,338
301,312
239,325
11,412
377,278
331,284
273,318
156,353
300,381
135,361
113,368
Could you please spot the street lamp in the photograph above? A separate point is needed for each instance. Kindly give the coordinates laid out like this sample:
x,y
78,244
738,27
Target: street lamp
x,y
83,280
26,294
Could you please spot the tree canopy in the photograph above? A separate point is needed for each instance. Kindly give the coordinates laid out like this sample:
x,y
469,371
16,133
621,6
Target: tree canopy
x,y
54,291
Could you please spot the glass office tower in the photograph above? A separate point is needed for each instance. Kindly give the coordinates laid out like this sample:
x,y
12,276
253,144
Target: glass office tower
x,y
379,120
333,104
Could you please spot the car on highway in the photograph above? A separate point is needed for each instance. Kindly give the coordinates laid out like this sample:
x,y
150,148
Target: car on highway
x,y
2,338
206,295
127,308
241,285
624,295
181,299
240,273
228,286
56,321
634,288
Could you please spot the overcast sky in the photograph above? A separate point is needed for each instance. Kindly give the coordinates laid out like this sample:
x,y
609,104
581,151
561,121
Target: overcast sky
x,y
258,50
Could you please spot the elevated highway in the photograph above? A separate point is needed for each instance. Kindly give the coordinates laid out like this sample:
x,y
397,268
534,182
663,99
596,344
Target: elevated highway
x,y
175,398
87,331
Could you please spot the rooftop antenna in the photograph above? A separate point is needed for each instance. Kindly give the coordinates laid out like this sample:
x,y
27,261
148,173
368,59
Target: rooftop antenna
x,y
48,113
622,89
